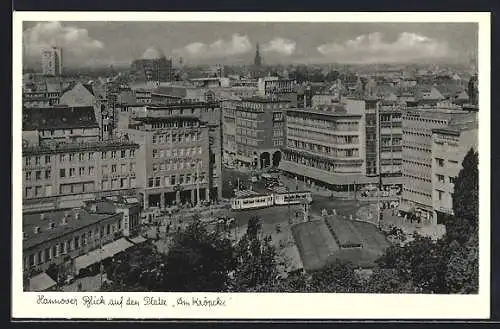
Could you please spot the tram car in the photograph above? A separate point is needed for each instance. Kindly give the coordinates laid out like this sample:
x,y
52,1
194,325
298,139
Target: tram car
x,y
251,200
283,197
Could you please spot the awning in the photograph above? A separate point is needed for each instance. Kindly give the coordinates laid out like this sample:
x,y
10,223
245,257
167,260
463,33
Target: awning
x,y
90,258
138,239
324,176
406,207
116,247
41,282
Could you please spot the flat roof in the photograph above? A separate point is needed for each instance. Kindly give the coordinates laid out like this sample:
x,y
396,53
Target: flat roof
x,y
30,221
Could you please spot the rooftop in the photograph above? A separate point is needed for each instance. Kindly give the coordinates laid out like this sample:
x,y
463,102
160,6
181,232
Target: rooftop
x,y
74,220
77,147
60,117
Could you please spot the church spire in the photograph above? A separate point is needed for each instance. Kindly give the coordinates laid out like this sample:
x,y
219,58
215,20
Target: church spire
x,y
258,60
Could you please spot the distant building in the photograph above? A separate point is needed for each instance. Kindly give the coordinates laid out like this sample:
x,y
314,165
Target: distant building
x,y
152,66
253,131
258,59
80,95
418,126
43,94
52,61
450,144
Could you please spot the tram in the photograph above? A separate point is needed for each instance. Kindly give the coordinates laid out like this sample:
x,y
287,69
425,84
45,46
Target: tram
x,y
251,200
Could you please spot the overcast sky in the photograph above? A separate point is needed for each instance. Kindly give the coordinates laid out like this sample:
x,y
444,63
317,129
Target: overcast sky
x,y
104,43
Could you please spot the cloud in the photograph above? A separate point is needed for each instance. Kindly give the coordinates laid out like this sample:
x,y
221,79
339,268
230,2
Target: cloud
x,y
236,45
72,39
280,45
371,48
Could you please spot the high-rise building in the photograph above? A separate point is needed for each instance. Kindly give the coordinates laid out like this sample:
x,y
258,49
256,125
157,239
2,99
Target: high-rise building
x,y
153,66
179,158
449,147
418,126
254,131
52,61
258,59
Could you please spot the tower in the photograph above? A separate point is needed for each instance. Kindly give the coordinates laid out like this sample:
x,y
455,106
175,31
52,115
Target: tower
x,y
258,60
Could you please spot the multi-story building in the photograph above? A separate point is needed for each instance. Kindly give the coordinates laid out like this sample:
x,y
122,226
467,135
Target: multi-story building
x,y
390,140
179,159
52,61
42,95
229,146
58,237
327,145
153,66
60,124
65,174
257,127
418,124
449,147
278,88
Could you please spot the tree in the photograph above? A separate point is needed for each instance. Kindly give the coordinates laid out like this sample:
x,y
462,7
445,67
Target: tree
x,y
198,261
386,281
338,277
332,76
256,260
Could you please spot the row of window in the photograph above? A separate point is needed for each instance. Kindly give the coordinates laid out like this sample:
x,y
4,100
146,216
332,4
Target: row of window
x,y
419,193
416,148
277,142
441,178
72,172
246,123
413,118
246,132
325,124
247,115
175,165
336,152
125,168
247,141
419,178
176,124
323,165
417,163
189,151
118,183
176,138
325,137
174,180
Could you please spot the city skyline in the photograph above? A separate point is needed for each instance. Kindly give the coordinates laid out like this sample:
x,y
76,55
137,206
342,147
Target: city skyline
x,y
95,43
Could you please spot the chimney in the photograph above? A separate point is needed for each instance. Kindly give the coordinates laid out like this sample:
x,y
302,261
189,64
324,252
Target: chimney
x,y
64,220
77,215
36,229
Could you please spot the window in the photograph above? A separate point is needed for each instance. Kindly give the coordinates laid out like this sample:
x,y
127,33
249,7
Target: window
x,y
28,175
132,153
155,153
71,156
172,180
37,160
113,168
47,159
40,257
154,139
108,229
27,161
440,178
81,171
72,172
62,173
150,182
440,162
440,195
47,174
123,154
77,242
39,191
157,181
54,251
104,155
38,175
181,179
81,157
91,171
